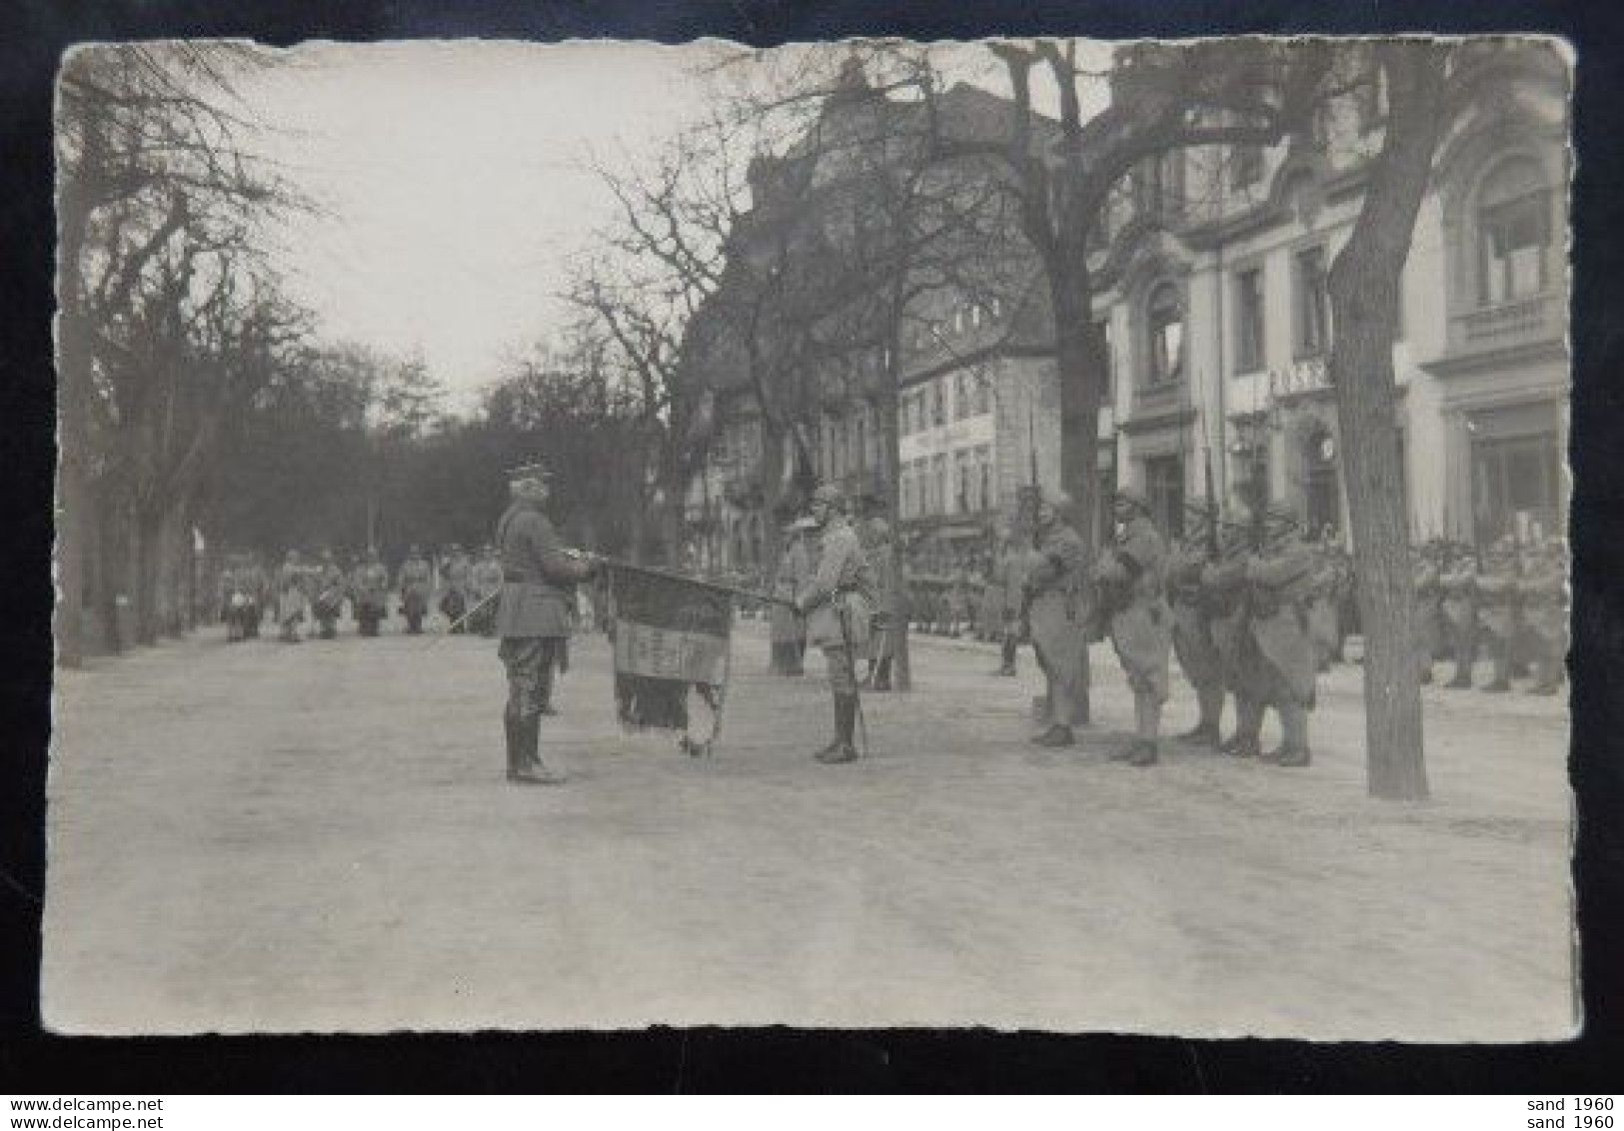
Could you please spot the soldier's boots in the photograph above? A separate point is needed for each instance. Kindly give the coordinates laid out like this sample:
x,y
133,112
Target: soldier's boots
x,y
1241,745
1056,736
841,749
1292,757
1142,752
1202,734
530,769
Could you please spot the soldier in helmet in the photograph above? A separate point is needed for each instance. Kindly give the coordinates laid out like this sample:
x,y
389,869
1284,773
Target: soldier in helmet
x,y
416,583
1457,583
293,597
328,602
371,593
454,601
1193,611
1280,578
882,646
485,579
1055,613
533,618
1543,593
1428,625
838,602
1130,578
786,627
1498,614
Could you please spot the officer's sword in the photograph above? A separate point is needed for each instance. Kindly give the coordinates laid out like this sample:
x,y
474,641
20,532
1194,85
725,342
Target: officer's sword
x,y
464,619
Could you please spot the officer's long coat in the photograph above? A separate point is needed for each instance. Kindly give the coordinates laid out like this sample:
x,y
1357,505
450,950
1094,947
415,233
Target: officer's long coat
x,y
1280,581
785,625
841,588
1059,613
538,575
1141,623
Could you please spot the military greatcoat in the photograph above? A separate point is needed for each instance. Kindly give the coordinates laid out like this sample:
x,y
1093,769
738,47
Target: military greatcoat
x,y
1141,623
1281,580
538,575
840,589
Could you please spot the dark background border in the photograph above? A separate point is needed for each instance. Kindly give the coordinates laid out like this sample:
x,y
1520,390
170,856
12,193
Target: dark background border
x,y
782,1059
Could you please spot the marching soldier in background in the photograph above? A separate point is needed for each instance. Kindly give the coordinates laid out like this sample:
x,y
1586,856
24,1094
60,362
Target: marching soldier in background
x,y
416,584
1192,610
1055,609
1130,577
1009,579
1457,584
328,601
1497,614
838,602
786,627
237,599
533,618
1428,607
292,597
454,602
882,645
485,579
1543,594
257,587
1280,579
371,593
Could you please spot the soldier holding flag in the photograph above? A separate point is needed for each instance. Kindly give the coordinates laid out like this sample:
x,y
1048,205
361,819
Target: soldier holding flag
x,y
533,617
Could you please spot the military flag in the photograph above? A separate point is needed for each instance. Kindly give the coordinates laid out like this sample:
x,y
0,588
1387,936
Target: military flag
x,y
671,634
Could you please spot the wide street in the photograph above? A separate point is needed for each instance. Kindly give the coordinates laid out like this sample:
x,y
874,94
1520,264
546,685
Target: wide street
x,y
319,837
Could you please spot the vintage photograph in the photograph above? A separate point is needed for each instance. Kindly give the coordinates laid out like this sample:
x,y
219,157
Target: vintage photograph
x,y
1031,534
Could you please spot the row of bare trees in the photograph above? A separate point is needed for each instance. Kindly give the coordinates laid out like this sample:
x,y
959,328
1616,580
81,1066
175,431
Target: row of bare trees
x,y
170,319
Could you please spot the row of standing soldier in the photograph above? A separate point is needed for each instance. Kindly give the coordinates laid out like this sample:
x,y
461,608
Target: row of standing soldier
x,y
304,589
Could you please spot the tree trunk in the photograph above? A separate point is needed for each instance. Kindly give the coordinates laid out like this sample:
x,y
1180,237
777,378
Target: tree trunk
x,y
1080,367
1364,283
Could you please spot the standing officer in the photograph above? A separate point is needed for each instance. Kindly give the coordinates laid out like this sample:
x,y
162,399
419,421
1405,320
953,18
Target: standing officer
x,y
485,578
1543,590
1130,579
838,602
416,583
1497,613
1055,607
371,587
533,617
1458,585
1280,579
1193,641
882,647
786,627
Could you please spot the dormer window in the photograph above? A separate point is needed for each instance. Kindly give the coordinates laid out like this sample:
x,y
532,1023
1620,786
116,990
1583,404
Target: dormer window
x,y
1164,324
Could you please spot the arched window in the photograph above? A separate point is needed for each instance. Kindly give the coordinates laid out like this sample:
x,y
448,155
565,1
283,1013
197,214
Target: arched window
x,y
1164,324
1514,231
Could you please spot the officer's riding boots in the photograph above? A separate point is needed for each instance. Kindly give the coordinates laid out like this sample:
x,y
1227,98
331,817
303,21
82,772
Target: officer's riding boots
x,y
842,748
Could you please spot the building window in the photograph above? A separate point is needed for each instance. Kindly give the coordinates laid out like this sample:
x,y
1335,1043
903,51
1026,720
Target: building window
x,y
1158,184
1103,329
1164,489
983,478
940,486
1514,231
961,395
983,394
905,491
938,406
961,484
1313,303
1249,320
1164,320
1245,166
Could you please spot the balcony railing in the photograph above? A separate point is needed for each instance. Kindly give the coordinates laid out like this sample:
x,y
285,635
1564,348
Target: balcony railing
x,y
1509,322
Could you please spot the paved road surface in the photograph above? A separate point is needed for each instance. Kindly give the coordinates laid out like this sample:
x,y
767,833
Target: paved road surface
x,y
318,837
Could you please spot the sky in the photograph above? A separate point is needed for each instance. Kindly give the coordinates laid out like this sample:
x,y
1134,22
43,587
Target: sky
x,y
453,184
